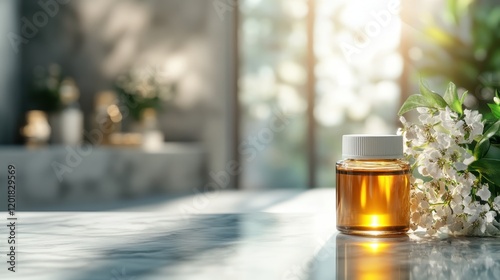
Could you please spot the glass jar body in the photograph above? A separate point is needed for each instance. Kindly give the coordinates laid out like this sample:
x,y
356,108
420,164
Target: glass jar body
x,y
373,196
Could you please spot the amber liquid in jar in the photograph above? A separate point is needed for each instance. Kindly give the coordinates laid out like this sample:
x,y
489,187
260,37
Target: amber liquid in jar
x,y
373,197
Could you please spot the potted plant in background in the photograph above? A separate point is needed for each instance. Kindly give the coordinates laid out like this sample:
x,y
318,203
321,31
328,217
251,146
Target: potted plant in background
x,y
45,89
58,98
144,92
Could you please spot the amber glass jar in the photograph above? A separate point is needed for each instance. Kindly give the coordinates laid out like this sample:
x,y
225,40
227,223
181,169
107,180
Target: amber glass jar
x,y
373,187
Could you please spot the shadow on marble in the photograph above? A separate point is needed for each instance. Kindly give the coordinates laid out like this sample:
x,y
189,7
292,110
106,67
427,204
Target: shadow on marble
x,y
225,246
150,255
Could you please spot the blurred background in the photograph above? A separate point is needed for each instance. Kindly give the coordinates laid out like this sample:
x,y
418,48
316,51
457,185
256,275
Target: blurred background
x,y
113,100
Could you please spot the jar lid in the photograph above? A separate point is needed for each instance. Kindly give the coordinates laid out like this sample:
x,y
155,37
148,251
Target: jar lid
x,y
360,146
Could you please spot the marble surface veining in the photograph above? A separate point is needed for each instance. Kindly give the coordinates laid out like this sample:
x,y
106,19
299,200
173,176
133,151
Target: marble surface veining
x,y
268,244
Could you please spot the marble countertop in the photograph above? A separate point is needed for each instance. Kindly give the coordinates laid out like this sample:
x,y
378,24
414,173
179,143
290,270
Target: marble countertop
x,y
232,235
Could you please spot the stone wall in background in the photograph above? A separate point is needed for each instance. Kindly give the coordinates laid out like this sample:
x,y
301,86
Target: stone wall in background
x,y
72,178
9,93
95,40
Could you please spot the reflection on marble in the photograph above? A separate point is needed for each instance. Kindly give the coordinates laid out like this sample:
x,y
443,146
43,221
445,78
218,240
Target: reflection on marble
x,y
371,258
260,245
456,258
406,257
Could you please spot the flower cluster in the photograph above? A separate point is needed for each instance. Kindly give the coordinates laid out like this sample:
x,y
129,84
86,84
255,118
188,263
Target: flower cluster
x,y
450,192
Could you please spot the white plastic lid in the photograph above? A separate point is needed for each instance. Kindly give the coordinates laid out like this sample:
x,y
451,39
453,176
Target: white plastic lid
x,y
359,146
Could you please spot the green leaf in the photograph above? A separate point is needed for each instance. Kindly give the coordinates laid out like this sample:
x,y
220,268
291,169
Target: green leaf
x,y
489,168
413,102
451,97
495,109
456,9
493,152
452,9
442,37
433,99
482,148
483,145
493,130
464,95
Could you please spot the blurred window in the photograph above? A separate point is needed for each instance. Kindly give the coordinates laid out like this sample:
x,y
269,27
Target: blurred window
x,y
339,58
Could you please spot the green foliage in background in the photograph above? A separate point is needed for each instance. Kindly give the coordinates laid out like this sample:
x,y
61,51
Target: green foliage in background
x,y
44,94
142,89
467,51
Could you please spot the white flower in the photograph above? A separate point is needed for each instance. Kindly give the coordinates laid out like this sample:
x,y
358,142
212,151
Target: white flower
x,y
403,121
431,163
424,204
482,225
474,124
413,205
496,100
484,193
465,189
490,216
457,208
484,217
443,140
423,110
428,118
459,132
462,158
466,202
415,217
400,131
473,210
440,212
496,203
456,226
448,119
466,180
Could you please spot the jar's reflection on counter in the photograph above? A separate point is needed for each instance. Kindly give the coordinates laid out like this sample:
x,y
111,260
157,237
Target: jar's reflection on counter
x,y
372,258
